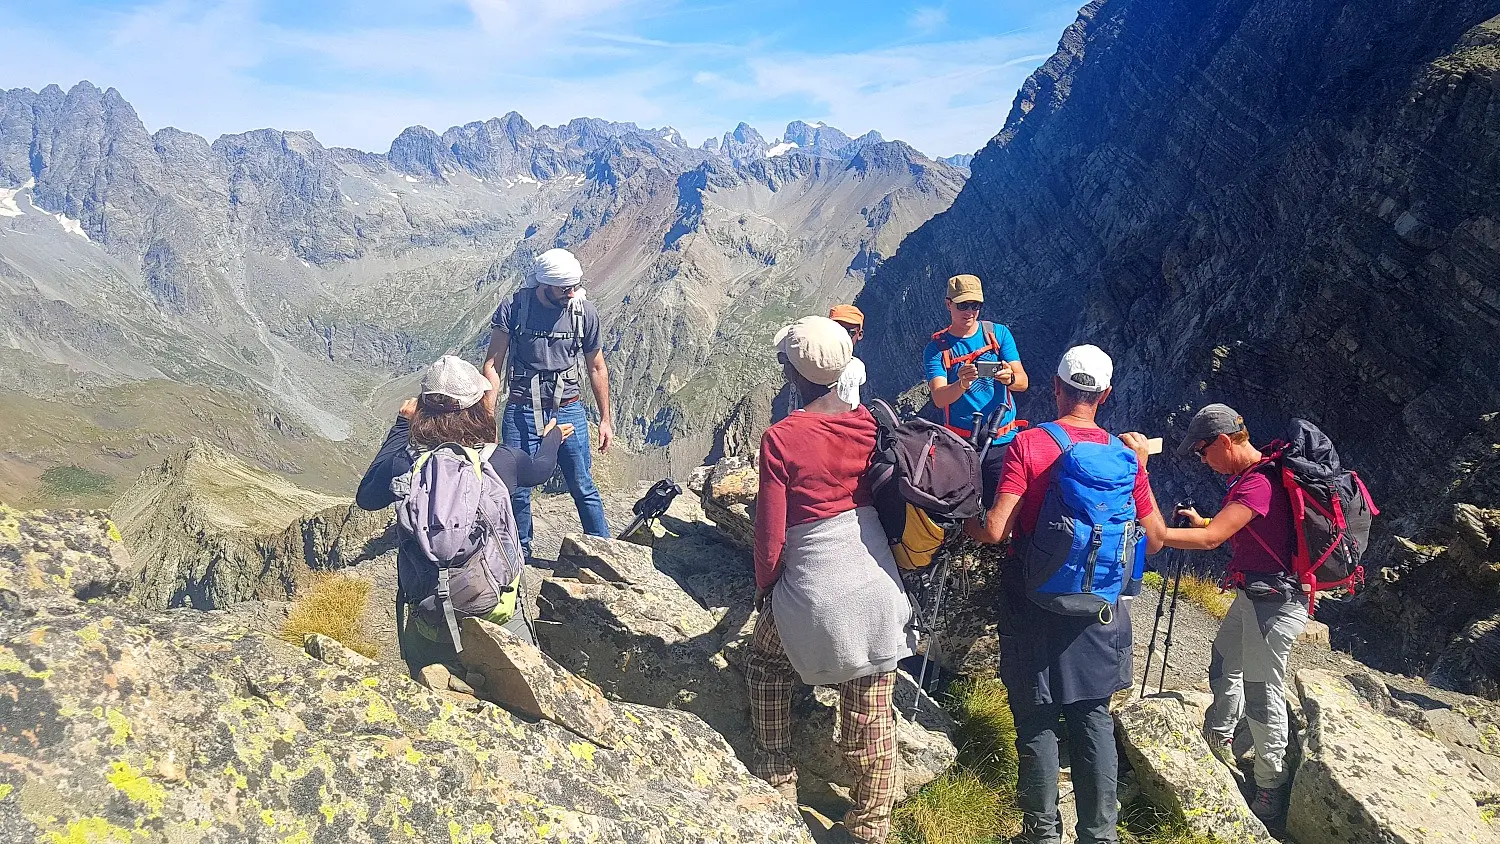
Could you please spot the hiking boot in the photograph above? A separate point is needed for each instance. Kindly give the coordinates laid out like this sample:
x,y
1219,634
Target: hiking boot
x,y
1222,749
1270,806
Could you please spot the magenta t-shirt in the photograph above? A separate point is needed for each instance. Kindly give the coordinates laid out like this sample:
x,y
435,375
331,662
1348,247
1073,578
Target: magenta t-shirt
x,y
1272,524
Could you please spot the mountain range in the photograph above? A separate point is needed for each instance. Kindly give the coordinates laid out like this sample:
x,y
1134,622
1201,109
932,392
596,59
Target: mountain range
x,y
275,295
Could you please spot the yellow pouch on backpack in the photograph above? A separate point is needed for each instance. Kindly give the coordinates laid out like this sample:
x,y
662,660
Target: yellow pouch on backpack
x,y
920,540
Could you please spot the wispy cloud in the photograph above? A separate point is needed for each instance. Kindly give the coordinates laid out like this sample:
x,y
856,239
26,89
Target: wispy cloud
x,y
928,19
219,66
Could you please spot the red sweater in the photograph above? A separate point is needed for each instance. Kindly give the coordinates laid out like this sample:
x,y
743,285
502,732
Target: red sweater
x,y
812,466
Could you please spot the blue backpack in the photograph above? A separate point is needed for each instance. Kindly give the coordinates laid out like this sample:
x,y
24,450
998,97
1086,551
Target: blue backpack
x,y
1087,534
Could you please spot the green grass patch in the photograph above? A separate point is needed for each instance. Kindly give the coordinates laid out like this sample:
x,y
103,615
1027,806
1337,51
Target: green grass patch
x,y
1142,823
76,482
330,604
975,802
1201,591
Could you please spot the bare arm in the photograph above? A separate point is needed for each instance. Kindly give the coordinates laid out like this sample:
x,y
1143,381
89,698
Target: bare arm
x,y
944,394
494,359
996,525
1019,380
599,381
1209,534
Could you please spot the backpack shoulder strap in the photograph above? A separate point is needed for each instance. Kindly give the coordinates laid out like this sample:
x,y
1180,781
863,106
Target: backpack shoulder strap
x,y
990,342
1058,435
520,310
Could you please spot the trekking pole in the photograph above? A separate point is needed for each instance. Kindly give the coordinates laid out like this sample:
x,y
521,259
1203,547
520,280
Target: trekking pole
x,y
1166,648
927,629
1161,606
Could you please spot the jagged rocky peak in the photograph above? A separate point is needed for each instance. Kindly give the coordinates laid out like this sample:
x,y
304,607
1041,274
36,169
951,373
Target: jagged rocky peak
x,y
821,139
961,161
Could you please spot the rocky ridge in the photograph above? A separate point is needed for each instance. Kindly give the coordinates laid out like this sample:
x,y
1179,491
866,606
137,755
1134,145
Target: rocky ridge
x,y
309,282
1283,206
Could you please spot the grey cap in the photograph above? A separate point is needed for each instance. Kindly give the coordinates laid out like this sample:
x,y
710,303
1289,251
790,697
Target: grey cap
x,y
457,379
1209,423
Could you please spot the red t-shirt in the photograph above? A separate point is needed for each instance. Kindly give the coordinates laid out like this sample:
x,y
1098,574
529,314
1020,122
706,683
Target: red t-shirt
x,y
1265,545
1029,461
812,466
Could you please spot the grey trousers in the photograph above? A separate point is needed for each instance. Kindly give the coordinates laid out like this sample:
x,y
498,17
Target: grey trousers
x,y
1091,748
1248,675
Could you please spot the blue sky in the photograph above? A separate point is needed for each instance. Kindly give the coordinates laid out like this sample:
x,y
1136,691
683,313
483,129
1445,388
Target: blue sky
x,y
940,75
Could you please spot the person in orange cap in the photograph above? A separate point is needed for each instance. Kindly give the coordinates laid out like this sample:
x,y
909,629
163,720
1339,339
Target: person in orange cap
x,y
853,376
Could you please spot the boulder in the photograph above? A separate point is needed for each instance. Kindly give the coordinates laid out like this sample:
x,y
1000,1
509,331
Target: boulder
x,y
1162,737
729,493
122,723
207,530
51,560
643,637
332,651
521,678
1369,777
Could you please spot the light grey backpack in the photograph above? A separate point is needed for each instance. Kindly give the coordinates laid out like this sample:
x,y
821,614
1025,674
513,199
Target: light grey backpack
x,y
460,555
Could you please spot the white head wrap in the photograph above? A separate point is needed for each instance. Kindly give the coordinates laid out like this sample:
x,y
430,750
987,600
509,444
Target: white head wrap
x,y
555,268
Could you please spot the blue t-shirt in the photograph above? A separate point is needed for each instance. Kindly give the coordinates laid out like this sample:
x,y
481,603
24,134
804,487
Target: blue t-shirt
x,y
984,395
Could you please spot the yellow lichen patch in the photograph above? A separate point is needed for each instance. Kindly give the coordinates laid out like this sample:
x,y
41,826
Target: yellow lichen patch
x,y
136,786
379,711
90,831
581,751
119,727
5,790
112,531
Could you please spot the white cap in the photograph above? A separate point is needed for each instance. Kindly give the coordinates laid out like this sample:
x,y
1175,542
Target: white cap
x,y
457,379
556,268
817,347
1086,368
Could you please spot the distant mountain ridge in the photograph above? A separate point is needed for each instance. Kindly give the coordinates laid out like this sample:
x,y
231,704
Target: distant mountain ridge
x,y
311,281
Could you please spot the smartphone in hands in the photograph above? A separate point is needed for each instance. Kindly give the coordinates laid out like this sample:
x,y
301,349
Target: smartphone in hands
x,y
988,368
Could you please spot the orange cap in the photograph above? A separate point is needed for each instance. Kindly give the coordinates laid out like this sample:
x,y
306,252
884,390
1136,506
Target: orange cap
x,y
847,314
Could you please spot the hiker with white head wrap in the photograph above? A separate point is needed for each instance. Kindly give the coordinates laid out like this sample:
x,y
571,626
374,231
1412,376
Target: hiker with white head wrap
x,y
541,336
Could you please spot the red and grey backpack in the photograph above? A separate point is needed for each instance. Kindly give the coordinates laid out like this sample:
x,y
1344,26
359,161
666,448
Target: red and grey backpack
x,y
1331,510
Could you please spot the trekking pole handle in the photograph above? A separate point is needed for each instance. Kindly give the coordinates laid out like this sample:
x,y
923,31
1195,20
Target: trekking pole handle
x,y
1179,520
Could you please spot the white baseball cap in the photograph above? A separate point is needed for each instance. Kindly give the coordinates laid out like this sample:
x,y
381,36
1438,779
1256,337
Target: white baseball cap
x,y
817,347
1086,368
457,379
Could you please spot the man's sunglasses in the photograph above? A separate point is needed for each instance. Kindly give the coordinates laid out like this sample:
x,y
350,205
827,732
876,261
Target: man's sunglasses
x,y
968,306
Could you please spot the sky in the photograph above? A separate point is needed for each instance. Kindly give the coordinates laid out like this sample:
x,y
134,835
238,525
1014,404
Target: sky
x,y
939,75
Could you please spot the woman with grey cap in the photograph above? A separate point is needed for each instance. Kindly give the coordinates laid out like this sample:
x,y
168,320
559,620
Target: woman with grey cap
x,y
824,566
1248,668
456,405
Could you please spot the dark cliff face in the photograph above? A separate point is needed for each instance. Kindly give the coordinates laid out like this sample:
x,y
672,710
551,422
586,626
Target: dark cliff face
x,y
1285,206
1288,207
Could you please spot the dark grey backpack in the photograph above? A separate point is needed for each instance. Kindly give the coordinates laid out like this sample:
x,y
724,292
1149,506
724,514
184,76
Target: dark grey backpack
x,y
460,555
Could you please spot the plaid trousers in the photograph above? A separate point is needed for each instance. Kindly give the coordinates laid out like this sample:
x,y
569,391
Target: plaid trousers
x,y
867,730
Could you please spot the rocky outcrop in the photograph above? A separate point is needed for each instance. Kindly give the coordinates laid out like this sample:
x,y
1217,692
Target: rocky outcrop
x,y
1367,777
208,530
667,626
728,493
53,560
118,722
1163,740
1280,205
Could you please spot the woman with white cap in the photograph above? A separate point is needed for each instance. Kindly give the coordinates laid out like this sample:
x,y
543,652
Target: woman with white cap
x,y
456,405
824,566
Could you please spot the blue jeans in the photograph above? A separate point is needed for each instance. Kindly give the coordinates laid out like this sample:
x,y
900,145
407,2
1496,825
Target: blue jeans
x,y
518,430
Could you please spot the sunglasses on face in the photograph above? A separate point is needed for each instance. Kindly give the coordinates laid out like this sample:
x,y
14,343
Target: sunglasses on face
x,y
1202,447
968,306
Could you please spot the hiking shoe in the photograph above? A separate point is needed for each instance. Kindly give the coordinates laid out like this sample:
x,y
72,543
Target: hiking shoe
x,y
788,791
1270,806
1222,749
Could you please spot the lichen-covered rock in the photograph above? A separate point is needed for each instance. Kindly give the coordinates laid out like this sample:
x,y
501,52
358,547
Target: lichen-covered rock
x,y
209,530
729,494
130,726
1176,772
333,652
1367,777
522,679
642,637
50,560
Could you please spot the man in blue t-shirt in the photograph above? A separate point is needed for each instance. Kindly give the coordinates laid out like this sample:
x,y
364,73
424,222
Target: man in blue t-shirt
x,y
958,390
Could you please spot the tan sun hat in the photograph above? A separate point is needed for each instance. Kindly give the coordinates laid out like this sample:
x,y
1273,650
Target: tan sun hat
x,y
455,378
965,288
817,347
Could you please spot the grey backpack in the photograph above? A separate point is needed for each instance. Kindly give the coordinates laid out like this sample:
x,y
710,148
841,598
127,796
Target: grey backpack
x,y
460,555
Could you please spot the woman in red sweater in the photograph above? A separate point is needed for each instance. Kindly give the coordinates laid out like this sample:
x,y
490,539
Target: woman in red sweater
x,y
823,562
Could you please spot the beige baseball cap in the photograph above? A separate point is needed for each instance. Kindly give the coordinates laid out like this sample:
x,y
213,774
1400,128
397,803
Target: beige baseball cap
x,y
817,347
457,379
965,288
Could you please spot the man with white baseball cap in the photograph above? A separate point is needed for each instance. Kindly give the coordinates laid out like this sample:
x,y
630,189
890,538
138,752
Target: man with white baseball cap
x,y
1053,664
545,333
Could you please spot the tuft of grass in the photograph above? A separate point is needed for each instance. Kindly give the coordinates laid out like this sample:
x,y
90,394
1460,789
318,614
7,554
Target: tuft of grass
x,y
76,481
1142,823
330,604
1201,591
975,802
